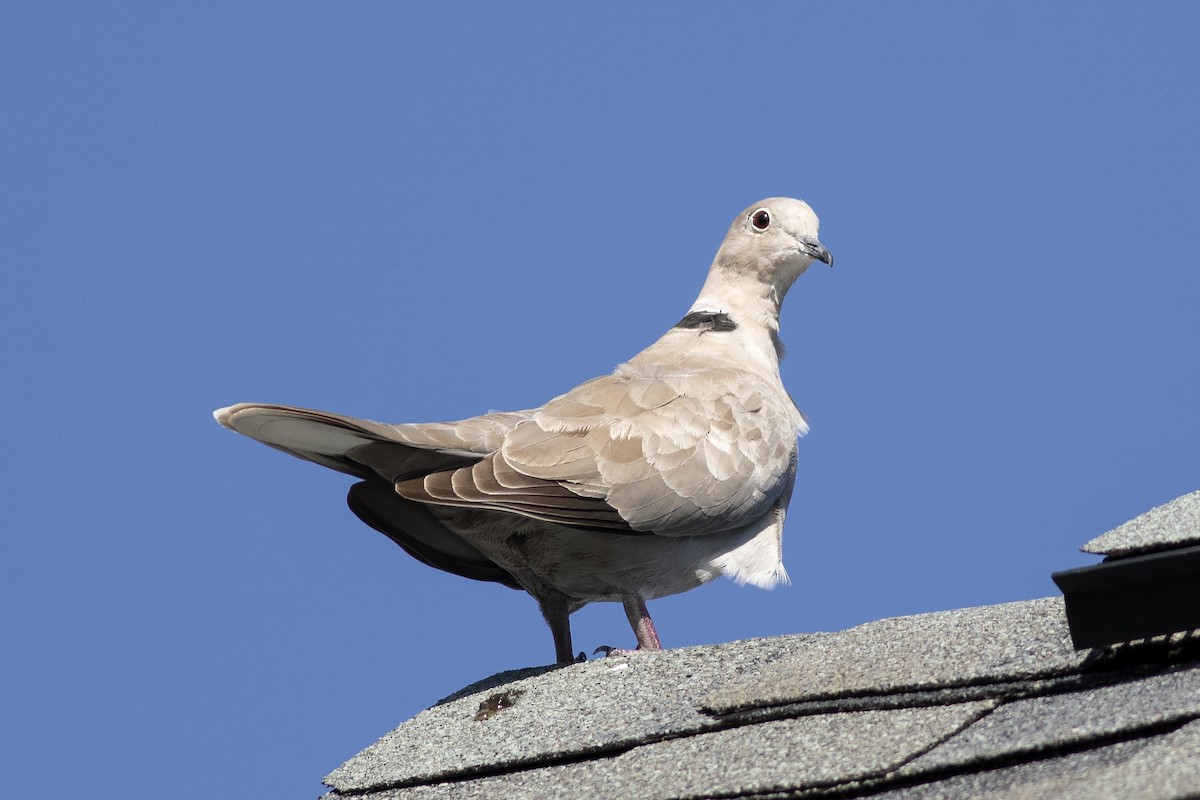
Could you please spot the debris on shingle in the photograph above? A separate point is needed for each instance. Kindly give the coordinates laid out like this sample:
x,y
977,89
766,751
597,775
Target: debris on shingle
x,y
494,704
1173,524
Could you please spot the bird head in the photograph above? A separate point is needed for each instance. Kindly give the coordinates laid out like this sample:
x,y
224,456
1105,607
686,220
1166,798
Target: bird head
x,y
775,241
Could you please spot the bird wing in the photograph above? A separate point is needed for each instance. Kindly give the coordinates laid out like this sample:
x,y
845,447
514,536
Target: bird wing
x,y
422,535
679,454
368,449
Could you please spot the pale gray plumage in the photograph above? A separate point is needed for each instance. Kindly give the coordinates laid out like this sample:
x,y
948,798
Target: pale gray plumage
x,y
675,469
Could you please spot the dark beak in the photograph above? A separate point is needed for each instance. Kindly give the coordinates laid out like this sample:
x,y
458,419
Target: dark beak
x,y
812,247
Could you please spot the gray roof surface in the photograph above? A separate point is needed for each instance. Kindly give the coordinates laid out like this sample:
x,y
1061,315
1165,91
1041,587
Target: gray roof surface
x,y
990,702
981,702
1173,524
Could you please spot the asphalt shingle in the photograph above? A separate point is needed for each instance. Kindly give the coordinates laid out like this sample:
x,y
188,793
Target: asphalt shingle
x,y
810,751
1153,768
1065,720
1173,524
1020,640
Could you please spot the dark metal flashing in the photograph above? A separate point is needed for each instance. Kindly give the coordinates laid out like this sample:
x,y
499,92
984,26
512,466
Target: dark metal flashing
x,y
1137,597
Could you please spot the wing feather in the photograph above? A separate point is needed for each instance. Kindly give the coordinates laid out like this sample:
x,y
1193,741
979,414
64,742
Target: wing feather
x,y
677,454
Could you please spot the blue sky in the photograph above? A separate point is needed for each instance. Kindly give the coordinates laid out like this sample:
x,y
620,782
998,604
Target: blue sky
x,y
407,215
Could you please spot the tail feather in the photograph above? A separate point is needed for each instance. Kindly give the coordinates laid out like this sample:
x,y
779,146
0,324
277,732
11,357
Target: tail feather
x,y
368,449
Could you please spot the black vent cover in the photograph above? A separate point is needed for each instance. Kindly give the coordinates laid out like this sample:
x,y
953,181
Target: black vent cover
x,y
1133,597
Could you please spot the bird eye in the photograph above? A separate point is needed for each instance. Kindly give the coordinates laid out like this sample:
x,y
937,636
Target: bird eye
x,y
761,219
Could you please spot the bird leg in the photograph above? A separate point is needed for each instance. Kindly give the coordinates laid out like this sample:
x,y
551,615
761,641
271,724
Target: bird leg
x,y
643,628
558,617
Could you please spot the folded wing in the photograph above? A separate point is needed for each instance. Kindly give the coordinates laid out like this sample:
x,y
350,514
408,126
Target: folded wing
x,y
677,455
422,535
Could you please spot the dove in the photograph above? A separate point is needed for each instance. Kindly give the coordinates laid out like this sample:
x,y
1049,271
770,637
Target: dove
x,y
673,470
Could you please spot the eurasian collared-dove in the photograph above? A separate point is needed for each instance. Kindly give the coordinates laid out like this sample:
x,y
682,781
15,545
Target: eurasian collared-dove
x,y
675,469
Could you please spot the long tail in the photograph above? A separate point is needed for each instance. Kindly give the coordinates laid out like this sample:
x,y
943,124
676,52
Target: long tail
x,y
382,454
367,449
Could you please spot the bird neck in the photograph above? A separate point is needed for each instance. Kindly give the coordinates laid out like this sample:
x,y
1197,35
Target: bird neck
x,y
745,291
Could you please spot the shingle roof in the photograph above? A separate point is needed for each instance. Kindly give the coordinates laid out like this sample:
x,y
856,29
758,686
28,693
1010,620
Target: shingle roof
x,y
1171,525
981,702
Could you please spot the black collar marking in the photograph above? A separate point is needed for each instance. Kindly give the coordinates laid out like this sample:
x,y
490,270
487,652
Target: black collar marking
x,y
707,321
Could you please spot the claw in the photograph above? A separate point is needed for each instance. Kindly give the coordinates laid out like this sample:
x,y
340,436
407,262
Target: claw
x,y
609,652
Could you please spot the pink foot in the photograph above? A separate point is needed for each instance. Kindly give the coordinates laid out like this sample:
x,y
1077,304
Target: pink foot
x,y
643,627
